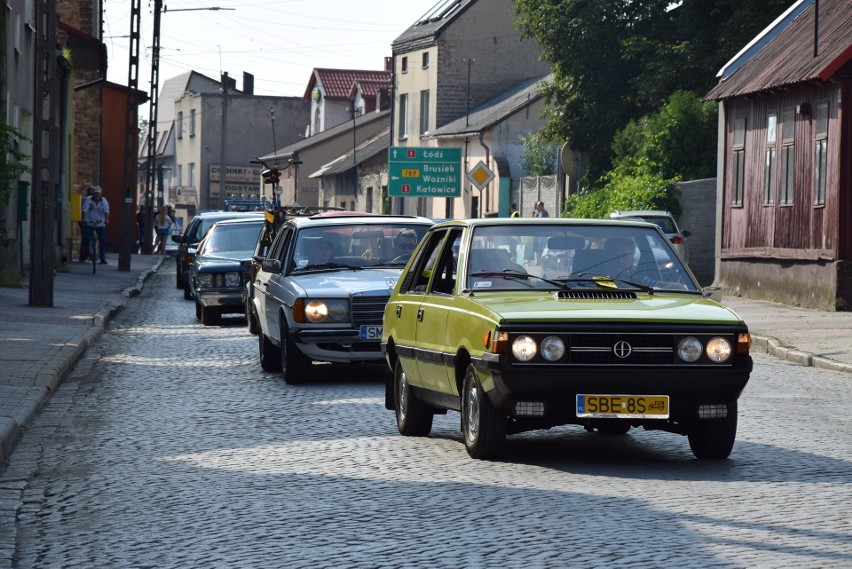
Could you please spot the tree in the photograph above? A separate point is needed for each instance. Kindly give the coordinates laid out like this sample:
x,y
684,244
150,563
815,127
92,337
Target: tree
x,y
538,157
10,172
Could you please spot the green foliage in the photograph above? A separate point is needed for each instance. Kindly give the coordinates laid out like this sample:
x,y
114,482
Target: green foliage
x,y
615,61
539,155
10,171
621,191
677,142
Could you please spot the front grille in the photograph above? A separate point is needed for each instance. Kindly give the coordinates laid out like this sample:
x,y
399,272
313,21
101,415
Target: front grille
x,y
634,349
368,310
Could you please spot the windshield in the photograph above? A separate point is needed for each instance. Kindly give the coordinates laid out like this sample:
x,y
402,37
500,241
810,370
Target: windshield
x,y
361,245
574,256
229,239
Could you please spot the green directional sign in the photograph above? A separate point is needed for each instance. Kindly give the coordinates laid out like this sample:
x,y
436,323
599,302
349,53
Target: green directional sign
x,y
416,172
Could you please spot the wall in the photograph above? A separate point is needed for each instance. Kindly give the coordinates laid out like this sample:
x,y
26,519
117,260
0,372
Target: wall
x,y
698,215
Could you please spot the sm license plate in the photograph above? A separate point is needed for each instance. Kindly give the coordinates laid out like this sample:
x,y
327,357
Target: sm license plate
x,y
371,332
623,406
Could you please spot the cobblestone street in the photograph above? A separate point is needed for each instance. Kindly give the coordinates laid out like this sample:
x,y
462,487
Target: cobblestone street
x,y
168,446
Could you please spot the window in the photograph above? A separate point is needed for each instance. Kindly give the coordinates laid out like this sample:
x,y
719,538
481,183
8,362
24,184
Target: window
x,y
424,112
404,65
180,125
403,116
192,122
425,60
820,152
788,155
738,169
770,153
179,174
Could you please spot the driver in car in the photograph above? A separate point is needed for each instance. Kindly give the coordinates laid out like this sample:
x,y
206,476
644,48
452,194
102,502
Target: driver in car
x,y
321,253
405,243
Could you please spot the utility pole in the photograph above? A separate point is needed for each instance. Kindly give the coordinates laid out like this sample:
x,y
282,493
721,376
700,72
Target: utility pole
x,y
223,165
45,152
150,171
131,145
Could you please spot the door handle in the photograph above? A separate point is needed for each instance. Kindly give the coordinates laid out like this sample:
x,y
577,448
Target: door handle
x,y
420,315
398,310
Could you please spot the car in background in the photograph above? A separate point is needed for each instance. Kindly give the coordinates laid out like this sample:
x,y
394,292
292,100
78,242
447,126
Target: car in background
x,y
665,220
219,268
600,336
322,288
195,230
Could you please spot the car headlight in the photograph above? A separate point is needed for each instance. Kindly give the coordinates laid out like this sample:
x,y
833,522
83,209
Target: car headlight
x,y
552,348
718,350
524,348
690,349
317,311
205,280
232,279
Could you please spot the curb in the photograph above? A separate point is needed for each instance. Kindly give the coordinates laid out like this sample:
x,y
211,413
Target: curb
x,y
776,348
57,369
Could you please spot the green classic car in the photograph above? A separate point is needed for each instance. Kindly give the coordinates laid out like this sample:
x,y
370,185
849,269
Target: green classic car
x,y
523,324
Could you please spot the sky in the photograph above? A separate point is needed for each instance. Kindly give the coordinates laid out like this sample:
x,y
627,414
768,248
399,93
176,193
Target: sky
x,y
278,41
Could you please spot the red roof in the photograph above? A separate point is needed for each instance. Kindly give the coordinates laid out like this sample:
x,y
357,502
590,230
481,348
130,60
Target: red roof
x,y
788,58
337,83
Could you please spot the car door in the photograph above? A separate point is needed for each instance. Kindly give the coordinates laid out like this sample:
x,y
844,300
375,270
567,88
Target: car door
x,y
434,361
267,296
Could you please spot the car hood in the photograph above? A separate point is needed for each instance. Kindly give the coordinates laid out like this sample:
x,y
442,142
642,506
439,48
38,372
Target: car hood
x,y
347,283
659,308
224,259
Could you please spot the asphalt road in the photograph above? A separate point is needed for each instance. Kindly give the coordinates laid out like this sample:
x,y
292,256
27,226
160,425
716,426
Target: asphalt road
x,y
168,446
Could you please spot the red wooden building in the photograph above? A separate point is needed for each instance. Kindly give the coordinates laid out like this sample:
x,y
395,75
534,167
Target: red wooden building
x,y
784,229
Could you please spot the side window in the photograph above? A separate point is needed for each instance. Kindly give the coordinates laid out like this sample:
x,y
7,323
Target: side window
x,y
417,277
444,281
279,246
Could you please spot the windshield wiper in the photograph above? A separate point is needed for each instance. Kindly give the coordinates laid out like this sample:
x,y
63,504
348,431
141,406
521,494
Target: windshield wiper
x,y
600,281
328,267
509,273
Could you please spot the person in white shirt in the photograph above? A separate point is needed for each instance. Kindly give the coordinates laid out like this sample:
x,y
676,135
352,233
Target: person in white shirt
x,y
96,215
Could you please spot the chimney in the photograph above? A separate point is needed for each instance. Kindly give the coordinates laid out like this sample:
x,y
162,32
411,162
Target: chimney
x,y
388,64
248,83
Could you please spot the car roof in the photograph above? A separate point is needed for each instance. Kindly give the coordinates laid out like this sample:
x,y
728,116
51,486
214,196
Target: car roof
x,y
566,221
258,220
640,213
350,219
230,214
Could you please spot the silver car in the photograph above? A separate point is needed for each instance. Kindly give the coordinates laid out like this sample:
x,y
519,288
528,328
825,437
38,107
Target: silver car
x,y
321,291
665,221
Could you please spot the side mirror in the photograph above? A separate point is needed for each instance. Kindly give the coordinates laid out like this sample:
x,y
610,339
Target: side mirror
x,y
686,233
177,238
270,266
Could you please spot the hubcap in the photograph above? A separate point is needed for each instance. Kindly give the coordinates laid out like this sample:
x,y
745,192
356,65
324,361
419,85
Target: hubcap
x,y
472,413
403,395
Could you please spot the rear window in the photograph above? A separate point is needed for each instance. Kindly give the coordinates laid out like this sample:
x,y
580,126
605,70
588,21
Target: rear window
x,y
665,223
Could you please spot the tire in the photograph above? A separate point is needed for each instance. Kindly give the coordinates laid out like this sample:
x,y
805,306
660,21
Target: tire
x,y
483,427
413,416
713,439
251,321
270,355
187,294
294,364
198,311
179,279
210,316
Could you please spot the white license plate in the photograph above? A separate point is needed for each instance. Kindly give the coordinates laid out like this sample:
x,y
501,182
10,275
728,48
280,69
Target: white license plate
x,y
371,332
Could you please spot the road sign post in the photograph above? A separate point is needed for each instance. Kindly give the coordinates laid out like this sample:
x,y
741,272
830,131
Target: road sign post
x,y
415,172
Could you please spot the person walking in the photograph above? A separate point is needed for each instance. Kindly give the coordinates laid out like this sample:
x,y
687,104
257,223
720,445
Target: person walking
x,y
95,211
163,224
540,242
513,210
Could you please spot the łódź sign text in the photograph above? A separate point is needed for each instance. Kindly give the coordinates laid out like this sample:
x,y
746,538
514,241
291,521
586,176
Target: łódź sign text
x,y
416,172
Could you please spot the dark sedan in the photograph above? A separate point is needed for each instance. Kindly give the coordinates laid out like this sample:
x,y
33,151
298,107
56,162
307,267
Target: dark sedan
x,y
219,271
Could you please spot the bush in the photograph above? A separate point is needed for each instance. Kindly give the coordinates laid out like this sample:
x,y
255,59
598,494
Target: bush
x,y
625,192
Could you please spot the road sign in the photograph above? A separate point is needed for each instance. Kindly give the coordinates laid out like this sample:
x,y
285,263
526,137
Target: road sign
x,y
480,175
415,172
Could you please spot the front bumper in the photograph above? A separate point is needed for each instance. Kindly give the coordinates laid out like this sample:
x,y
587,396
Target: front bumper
x,y
337,345
226,299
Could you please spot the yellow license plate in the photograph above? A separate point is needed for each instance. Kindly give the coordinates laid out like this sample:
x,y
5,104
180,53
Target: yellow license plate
x,y
623,406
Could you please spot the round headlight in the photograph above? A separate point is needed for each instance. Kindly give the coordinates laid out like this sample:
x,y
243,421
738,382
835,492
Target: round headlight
x,y
689,349
316,311
232,279
338,310
205,280
552,348
718,350
524,348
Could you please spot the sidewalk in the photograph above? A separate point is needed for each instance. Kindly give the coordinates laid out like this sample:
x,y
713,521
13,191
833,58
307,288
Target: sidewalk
x,y
39,346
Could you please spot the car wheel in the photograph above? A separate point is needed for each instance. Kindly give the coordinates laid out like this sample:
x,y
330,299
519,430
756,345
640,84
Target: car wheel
x,y
270,355
179,279
483,427
294,364
197,310
251,321
210,316
413,416
714,438
187,294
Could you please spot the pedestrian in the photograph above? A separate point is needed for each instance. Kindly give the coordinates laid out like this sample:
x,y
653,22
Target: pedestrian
x,y
539,211
540,242
513,210
162,224
140,228
96,213
84,243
